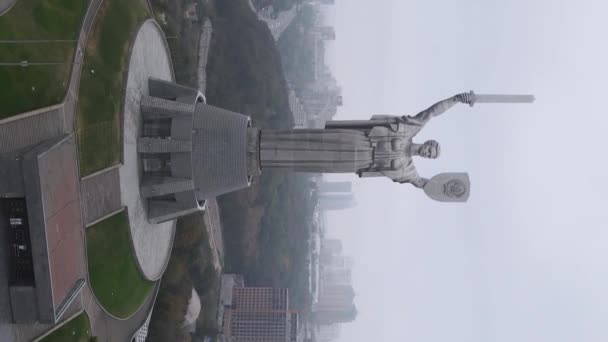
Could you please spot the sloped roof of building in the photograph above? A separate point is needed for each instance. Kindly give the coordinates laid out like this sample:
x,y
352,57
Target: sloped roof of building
x,y
56,230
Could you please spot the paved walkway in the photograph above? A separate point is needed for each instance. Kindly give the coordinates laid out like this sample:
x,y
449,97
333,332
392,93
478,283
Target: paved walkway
x,y
71,99
203,55
100,193
214,229
108,329
150,57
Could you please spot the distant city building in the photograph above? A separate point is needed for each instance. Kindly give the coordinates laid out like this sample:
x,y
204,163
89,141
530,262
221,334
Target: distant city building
x,y
335,305
41,232
229,282
333,316
336,276
324,2
300,116
346,187
327,332
277,22
337,297
337,201
321,101
260,314
260,298
334,261
326,32
331,246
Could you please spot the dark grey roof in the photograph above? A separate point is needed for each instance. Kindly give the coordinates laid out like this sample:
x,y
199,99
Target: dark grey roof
x,y
11,180
219,151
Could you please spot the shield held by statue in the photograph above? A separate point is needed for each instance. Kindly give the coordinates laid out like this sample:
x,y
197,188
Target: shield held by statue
x,y
449,187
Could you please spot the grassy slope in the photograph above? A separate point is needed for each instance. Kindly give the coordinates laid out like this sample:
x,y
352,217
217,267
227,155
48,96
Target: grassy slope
x,y
244,70
113,273
101,92
37,86
184,51
190,266
265,225
76,330
297,48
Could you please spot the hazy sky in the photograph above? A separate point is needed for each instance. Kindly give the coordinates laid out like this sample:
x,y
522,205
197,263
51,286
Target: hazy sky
x,y
526,259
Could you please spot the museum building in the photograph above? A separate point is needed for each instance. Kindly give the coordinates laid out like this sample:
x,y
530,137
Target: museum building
x,y
41,231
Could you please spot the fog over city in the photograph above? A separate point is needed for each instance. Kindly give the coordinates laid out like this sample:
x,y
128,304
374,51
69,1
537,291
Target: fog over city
x,y
525,259
187,170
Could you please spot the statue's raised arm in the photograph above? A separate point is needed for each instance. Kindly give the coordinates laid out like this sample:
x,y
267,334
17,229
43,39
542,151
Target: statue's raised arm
x,y
437,109
419,182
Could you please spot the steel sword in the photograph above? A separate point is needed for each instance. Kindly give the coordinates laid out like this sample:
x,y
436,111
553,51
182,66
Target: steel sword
x,y
500,98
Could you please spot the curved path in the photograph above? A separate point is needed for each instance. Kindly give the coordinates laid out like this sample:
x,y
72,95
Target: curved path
x,y
5,5
152,243
150,57
110,329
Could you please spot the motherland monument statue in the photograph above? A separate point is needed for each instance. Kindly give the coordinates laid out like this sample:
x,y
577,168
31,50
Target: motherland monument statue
x,y
192,151
380,147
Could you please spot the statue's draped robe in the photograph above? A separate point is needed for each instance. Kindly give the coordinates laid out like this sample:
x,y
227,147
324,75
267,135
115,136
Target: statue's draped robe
x,y
370,148
316,150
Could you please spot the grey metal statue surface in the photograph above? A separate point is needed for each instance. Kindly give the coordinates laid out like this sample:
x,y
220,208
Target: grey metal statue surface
x,y
380,147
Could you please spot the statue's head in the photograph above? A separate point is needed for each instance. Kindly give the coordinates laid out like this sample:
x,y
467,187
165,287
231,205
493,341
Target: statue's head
x,y
430,149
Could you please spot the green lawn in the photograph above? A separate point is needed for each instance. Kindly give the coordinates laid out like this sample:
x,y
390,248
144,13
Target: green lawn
x,y
37,86
113,273
102,82
76,330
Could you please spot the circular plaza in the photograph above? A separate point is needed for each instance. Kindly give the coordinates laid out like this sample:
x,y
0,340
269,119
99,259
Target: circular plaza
x,y
150,57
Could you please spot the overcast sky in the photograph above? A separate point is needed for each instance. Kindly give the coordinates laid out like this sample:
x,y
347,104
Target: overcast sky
x,y
526,258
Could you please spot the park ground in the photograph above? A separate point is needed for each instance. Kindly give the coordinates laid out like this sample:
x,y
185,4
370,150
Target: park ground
x,y
102,83
77,329
113,273
114,277
37,86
